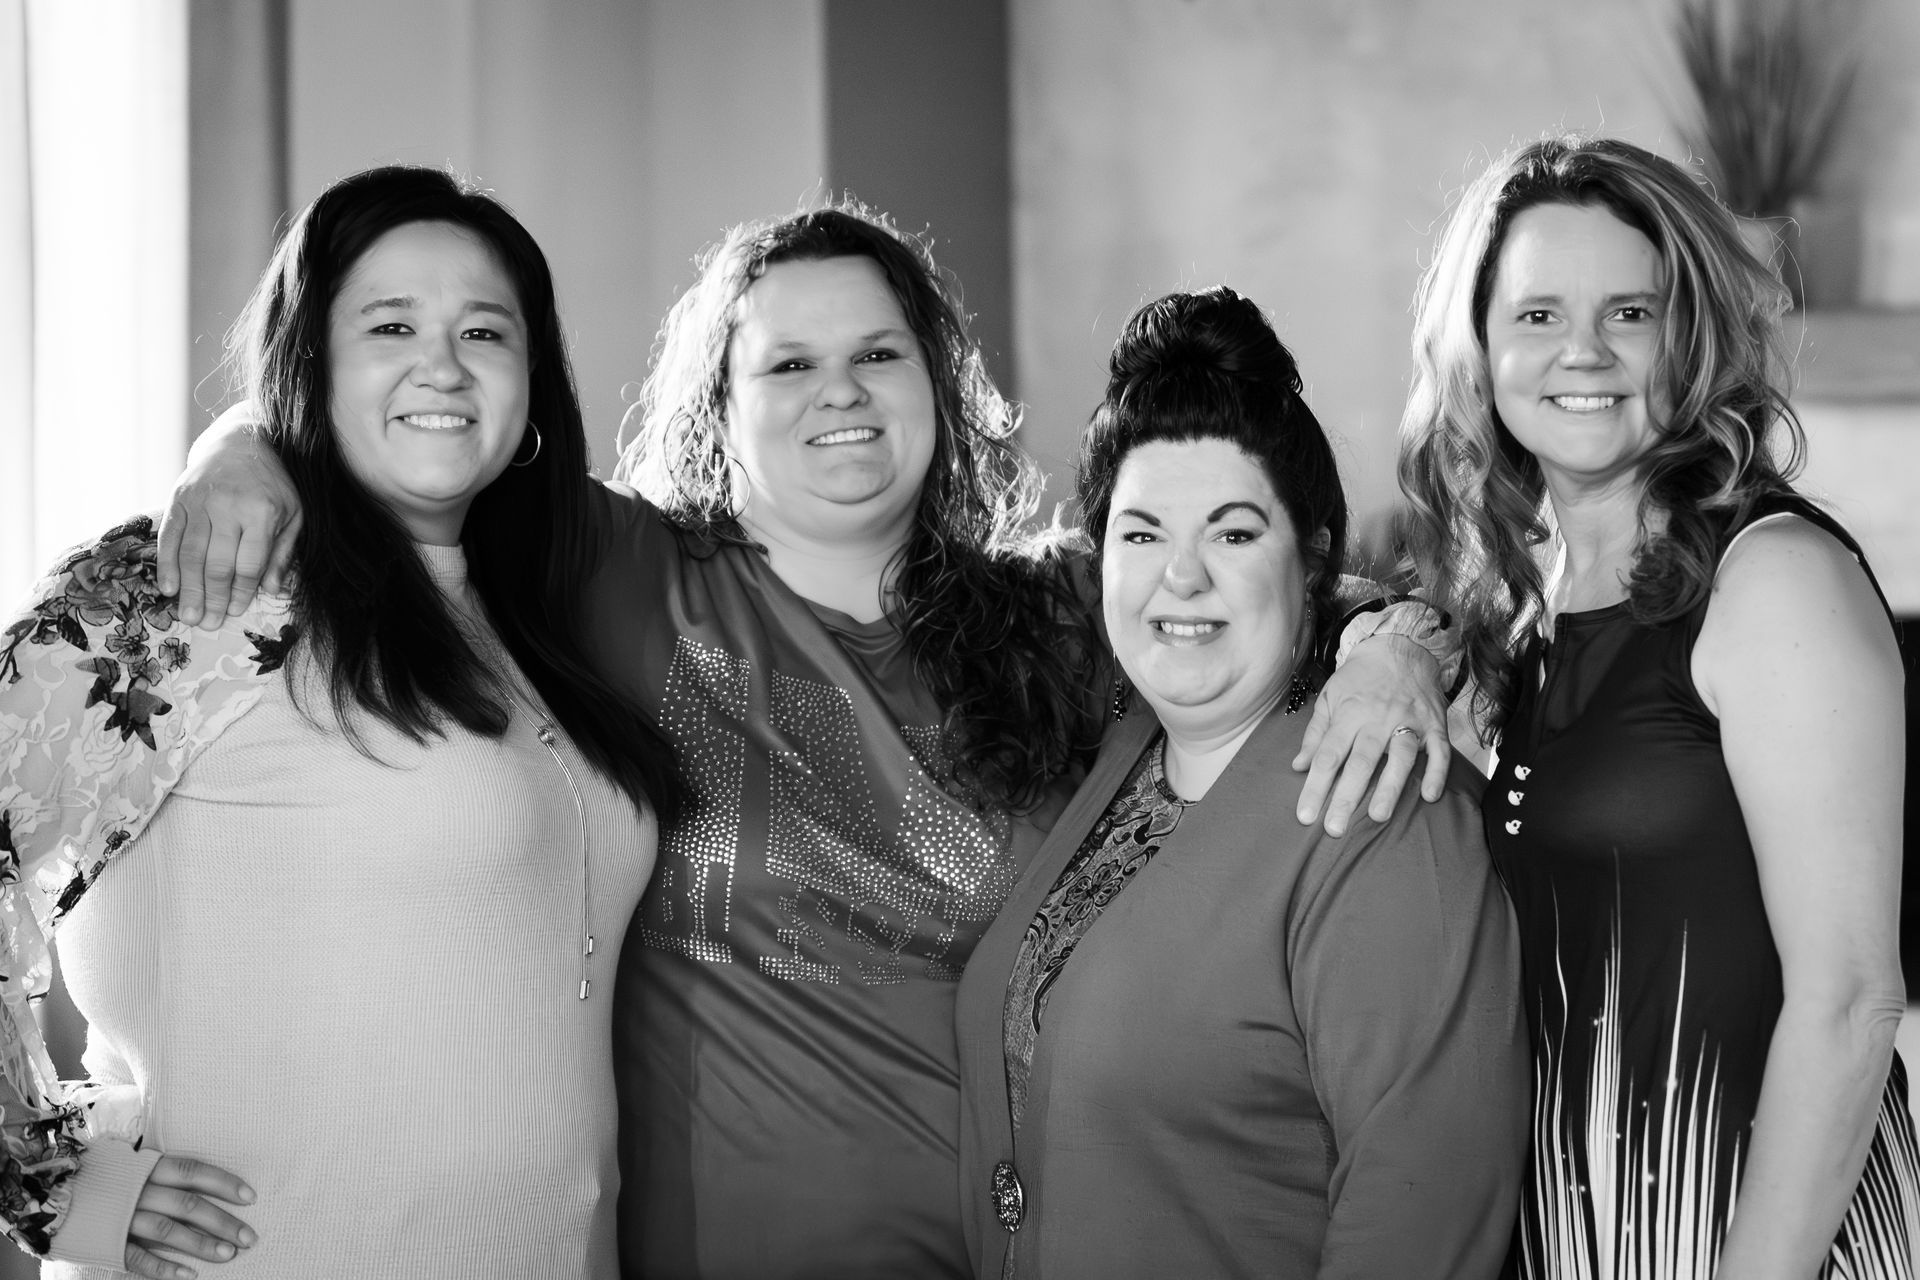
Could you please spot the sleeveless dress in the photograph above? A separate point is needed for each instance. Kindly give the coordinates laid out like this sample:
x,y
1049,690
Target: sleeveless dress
x,y
1650,973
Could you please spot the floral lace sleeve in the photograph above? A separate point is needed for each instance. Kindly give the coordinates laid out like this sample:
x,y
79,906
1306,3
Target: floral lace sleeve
x,y
105,698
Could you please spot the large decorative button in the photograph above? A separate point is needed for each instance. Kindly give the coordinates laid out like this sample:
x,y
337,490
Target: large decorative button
x,y
1009,1197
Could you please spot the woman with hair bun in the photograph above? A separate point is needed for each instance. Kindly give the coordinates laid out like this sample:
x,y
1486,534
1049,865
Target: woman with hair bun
x,y
1697,707
1202,1039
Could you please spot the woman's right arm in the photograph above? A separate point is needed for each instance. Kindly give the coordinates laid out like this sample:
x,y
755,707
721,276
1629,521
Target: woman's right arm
x,y
99,709
231,524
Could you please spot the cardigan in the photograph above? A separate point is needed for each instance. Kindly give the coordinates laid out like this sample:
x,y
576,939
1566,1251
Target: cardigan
x,y
1276,1053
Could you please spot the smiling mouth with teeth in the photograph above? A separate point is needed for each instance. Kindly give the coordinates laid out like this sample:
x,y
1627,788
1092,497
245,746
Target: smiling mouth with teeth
x,y
851,435
1586,404
1186,630
436,421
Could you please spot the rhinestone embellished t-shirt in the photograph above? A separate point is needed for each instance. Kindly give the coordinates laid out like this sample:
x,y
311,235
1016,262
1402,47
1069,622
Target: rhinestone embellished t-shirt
x,y
784,1032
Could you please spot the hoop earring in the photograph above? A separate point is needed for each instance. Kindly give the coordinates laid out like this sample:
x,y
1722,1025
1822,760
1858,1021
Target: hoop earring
x,y
536,446
737,491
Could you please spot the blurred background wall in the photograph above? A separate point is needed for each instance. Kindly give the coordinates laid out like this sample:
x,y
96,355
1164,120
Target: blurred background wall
x,y
626,135
1303,152
1071,158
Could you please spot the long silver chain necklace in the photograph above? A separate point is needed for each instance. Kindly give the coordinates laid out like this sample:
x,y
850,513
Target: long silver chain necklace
x,y
543,729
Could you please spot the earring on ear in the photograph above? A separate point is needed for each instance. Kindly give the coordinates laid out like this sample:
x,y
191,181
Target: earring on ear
x,y
536,445
738,491
1300,685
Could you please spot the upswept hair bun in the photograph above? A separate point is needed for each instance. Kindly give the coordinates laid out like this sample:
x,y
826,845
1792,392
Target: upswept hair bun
x,y
1216,331
1208,366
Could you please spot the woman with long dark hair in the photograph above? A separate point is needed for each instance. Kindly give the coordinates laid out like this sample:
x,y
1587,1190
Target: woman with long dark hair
x,y
337,882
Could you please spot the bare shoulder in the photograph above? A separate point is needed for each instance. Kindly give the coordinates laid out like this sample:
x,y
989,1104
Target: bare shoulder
x,y
1788,596
1793,565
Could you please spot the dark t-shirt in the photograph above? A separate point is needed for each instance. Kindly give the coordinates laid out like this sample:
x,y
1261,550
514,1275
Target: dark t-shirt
x,y
783,1021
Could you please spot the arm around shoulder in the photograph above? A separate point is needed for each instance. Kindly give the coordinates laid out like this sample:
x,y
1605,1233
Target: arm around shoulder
x,y
231,523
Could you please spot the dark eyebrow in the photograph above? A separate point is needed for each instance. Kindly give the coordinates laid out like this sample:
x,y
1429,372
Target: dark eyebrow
x,y
405,301
1138,514
1225,507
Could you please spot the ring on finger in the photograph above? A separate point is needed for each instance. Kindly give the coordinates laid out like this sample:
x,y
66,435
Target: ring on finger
x,y
1407,729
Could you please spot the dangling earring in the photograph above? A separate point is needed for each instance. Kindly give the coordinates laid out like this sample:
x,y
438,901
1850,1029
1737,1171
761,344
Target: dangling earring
x,y
1300,687
738,491
1122,690
536,446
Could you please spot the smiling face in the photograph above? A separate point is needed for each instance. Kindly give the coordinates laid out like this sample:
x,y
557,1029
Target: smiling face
x,y
427,355
1203,585
830,406
1572,327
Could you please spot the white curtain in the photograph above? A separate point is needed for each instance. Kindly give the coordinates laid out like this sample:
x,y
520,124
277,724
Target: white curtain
x,y
93,246
16,311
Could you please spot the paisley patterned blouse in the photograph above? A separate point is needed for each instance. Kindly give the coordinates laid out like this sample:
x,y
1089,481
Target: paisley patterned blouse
x,y
105,699
1136,824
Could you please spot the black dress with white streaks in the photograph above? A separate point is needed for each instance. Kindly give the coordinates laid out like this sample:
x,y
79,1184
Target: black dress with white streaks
x,y
1651,976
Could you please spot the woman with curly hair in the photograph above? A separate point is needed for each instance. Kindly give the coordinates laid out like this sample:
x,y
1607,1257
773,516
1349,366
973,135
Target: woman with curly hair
x,y
328,878
881,689
1696,702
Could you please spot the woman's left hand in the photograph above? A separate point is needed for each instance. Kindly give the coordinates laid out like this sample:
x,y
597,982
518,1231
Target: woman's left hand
x,y
1385,700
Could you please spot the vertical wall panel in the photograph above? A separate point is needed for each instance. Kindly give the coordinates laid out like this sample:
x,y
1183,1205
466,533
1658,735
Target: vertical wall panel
x,y
917,121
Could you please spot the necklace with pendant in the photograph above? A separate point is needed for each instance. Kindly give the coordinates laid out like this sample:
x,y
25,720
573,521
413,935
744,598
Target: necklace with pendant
x,y
543,729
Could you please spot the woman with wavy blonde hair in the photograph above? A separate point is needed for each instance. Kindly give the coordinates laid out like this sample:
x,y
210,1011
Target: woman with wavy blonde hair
x,y
1695,691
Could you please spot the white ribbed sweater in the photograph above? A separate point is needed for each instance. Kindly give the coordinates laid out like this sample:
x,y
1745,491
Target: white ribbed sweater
x,y
355,983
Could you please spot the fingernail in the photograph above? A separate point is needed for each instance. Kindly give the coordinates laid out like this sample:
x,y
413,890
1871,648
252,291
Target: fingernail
x,y
246,1197
225,1250
248,1238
